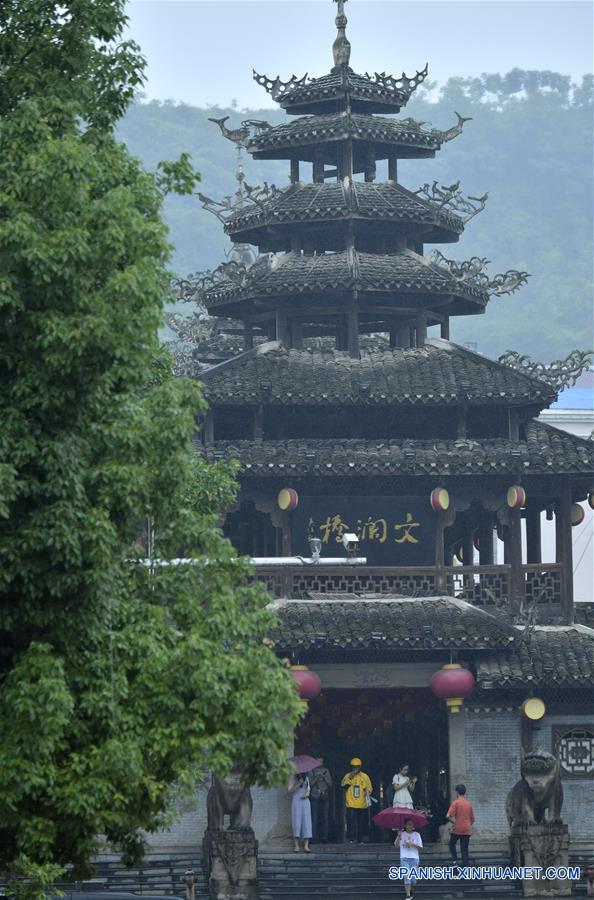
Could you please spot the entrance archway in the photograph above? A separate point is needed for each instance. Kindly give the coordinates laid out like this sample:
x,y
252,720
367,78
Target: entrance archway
x,y
386,728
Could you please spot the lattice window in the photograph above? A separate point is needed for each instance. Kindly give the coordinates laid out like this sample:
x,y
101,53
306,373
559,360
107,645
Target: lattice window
x,y
574,747
544,586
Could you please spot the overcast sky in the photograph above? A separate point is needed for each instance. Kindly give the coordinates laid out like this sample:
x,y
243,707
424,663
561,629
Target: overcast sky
x,y
203,51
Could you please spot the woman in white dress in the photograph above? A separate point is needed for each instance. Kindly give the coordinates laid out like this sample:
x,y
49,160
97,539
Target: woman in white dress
x,y
402,785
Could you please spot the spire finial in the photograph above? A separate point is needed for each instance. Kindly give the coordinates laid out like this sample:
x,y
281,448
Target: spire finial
x,y
341,48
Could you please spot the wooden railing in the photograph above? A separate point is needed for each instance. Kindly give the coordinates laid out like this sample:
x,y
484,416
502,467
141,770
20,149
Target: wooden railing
x,y
485,586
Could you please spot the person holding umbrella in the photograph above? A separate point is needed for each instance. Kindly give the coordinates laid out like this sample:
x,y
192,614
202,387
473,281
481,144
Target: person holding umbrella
x,y
357,799
300,810
410,843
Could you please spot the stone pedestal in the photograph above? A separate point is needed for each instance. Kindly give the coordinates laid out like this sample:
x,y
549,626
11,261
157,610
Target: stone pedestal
x,y
543,846
231,864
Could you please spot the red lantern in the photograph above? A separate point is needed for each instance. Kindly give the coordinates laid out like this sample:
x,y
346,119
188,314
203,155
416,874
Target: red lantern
x,y
287,499
439,499
577,514
308,683
452,683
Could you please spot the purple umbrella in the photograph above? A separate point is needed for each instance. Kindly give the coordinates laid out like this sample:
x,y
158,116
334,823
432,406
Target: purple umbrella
x,y
304,763
396,816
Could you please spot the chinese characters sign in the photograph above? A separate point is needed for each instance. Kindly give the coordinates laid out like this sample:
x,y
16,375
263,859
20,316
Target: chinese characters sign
x,y
393,531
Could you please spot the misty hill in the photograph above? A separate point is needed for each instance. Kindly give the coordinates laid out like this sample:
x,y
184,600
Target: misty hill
x,y
529,145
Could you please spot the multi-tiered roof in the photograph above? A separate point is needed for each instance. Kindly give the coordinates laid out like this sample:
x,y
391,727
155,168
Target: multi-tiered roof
x,y
342,258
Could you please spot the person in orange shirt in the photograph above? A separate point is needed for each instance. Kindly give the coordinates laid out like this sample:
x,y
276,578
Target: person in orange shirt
x,y
461,815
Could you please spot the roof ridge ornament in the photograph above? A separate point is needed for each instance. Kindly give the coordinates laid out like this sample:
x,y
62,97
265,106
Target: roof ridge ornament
x,y
472,272
454,131
277,88
559,374
341,48
449,197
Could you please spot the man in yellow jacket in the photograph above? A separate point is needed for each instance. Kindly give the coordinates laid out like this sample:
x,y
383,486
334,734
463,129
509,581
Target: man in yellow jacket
x,y
358,790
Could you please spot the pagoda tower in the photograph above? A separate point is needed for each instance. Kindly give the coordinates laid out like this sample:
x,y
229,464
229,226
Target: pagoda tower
x,y
349,408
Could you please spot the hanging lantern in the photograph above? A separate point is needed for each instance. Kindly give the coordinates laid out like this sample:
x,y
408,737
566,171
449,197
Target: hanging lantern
x,y
308,683
533,709
439,499
577,514
452,683
287,499
591,500
516,497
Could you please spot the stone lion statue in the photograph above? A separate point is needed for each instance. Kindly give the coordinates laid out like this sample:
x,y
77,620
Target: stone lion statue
x,y
229,796
539,791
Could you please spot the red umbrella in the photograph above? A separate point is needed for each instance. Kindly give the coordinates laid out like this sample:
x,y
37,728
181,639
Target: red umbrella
x,y
304,763
396,816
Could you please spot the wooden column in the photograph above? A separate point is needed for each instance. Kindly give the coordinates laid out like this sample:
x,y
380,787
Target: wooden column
x,y
514,425
282,329
517,583
445,328
370,165
392,168
353,328
318,166
347,160
565,552
286,535
248,336
402,336
259,424
209,428
533,543
468,547
294,170
461,422
297,334
421,328
486,539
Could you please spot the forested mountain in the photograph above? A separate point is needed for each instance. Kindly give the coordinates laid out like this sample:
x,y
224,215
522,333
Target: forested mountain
x,y
529,145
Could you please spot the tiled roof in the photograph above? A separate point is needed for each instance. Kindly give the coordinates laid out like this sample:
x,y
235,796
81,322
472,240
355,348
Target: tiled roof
x,y
441,373
331,622
334,200
545,451
559,655
295,273
405,134
375,94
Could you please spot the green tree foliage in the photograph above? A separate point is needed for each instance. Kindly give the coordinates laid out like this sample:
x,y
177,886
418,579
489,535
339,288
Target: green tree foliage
x,y
529,145
116,681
